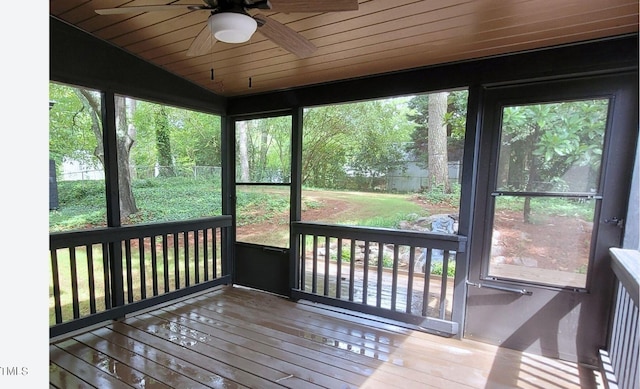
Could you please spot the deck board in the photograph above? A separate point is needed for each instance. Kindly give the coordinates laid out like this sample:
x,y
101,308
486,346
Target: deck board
x,y
234,337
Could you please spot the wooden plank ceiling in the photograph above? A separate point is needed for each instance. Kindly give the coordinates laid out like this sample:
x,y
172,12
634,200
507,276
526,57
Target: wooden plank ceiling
x,y
381,36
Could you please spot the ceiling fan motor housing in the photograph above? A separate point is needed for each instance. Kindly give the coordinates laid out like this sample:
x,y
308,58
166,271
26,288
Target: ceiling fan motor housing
x,y
232,27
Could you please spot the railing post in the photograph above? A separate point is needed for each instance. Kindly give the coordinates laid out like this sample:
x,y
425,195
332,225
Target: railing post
x,y
460,289
110,141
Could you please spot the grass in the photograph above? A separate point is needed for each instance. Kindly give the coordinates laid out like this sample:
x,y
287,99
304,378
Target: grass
x,y
549,206
366,209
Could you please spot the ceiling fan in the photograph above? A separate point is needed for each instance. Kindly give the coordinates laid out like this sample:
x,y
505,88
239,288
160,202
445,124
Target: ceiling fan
x,y
231,22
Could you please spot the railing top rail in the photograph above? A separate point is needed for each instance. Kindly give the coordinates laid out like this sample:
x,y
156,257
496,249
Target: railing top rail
x,y
117,234
626,265
385,235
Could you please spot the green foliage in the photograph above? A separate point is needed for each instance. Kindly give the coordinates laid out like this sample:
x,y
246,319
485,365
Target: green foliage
x,y
541,142
83,204
267,143
438,195
194,137
311,204
256,206
437,268
455,118
345,255
549,206
388,221
355,142
77,193
70,127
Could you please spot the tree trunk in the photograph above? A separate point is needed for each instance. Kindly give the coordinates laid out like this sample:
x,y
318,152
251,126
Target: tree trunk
x,y
533,175
437,148
126,134
264,150
244,155
92,103
163,143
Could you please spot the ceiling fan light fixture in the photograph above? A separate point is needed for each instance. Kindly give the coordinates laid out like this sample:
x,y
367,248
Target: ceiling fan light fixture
x,y
232,27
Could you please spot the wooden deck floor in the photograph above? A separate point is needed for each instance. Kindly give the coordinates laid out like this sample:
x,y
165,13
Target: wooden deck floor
x,y
238,338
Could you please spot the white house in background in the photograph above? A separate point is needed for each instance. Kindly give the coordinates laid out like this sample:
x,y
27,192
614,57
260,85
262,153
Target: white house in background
x,y
415,177
76,170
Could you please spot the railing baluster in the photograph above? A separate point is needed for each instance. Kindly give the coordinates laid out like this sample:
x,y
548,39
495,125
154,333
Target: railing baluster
x,y
143,269
165,262
74,282
214,252
196,255
427,282
92,281
303,261
127,254
379,270
352,269
314,275
339,268
365,273
412,262
443,284
632,381
618,344
55,273
205,253
107,276
327,259
154,266
394,280
176,260
187,273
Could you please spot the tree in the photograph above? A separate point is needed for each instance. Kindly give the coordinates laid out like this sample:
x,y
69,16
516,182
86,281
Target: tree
x,y
541,142
325,147
449,130
193,138
264,149
378,130
82,136
364,139
71,135
125,138
437,149
243,153
163,142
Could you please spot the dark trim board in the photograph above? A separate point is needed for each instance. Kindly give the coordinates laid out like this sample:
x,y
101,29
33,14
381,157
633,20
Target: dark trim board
x,y
78,58
594,57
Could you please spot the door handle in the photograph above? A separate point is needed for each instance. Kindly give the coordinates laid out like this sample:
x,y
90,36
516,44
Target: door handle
x,y
521,291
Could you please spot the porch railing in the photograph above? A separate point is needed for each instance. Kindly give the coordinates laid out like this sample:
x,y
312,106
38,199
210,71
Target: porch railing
x,y
106,273
401,275
619,361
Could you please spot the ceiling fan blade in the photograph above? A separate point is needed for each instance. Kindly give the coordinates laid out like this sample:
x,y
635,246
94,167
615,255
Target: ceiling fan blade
x,y
202,43
150,8
284,36
287,6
